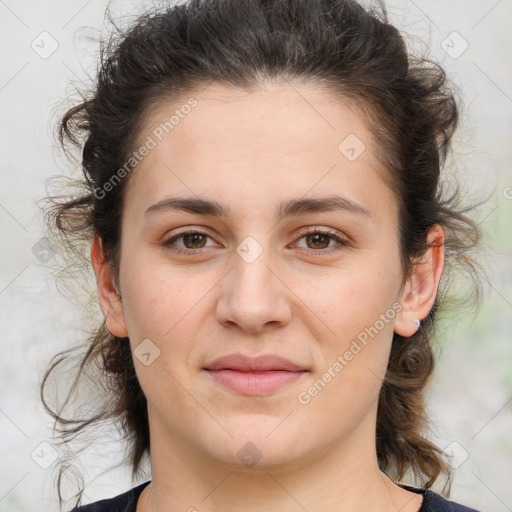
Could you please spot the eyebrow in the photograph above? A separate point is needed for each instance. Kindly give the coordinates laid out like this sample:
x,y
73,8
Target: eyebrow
x,y
289,208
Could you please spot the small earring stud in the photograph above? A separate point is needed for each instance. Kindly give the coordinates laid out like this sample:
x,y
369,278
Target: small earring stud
x,y
417,323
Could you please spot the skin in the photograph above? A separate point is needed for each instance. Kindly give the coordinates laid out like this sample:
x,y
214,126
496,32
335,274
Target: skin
x,y
250,151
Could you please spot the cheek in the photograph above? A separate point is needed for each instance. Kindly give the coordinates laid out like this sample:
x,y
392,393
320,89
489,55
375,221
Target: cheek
x,y
347,387
349,300
357,311
161,321
157,302
167,308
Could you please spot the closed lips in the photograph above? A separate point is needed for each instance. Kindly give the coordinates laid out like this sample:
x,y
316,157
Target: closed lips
x,y
241,363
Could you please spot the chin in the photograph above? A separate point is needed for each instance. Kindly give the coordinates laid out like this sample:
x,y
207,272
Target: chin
x,y
258,443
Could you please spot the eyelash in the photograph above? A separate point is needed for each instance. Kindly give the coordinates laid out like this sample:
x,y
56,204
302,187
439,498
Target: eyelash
x,y
343,242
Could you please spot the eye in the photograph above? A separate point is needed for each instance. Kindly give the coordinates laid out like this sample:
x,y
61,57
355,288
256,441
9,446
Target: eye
x,y
194,241
321,238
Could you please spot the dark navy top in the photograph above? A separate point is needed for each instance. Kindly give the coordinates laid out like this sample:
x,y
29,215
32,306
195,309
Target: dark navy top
x,y
127,502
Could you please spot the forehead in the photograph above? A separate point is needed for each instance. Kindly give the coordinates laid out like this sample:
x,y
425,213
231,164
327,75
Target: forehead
x,y
300,108
277,139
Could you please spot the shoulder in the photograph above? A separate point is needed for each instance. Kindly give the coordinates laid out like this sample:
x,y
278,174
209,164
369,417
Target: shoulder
x,y
434,502
125,502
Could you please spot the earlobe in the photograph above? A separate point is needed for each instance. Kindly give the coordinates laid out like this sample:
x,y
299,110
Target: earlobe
x,y
110,301
420,291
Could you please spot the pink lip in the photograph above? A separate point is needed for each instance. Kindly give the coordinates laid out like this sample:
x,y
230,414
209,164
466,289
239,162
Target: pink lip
x,y
254,375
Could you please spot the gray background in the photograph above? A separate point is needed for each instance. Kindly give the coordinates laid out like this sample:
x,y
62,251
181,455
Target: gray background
x,y
470,398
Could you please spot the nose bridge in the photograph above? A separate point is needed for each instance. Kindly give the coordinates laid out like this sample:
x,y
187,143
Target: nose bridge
x,y
252,295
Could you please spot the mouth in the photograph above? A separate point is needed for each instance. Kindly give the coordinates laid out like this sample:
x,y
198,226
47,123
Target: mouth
x,y
254,375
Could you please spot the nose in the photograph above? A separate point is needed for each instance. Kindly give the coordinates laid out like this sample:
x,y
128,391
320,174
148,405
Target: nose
x,y
254,295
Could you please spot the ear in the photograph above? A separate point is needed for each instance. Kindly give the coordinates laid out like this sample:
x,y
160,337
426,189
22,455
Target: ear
x,y
420,290
110,301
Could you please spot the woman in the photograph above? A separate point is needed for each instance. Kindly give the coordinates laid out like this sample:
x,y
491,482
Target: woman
x,y
269,236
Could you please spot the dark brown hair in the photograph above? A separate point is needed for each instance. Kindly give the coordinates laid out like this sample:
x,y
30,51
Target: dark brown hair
x,y
355,54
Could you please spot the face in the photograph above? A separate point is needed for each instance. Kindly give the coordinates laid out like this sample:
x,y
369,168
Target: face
x,y
300,260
